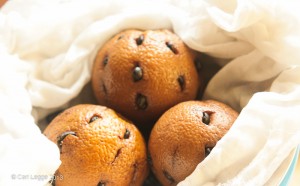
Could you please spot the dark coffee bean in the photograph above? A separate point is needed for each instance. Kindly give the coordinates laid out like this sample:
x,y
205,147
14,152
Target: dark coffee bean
x,y
139,40
52,181
62,136
141,101
137,73
126,134
101,183
169,177
117,155
206,118
105,60
208,150
94,118
120,37
172,47
181,81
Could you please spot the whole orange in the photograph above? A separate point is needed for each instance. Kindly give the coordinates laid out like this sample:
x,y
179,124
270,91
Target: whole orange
x,y
141,74
184,135
98,147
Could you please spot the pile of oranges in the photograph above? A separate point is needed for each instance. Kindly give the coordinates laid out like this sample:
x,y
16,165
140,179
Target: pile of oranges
x,y
147,116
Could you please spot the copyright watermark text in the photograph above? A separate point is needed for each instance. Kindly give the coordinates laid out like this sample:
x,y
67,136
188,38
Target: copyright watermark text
x,y
39,177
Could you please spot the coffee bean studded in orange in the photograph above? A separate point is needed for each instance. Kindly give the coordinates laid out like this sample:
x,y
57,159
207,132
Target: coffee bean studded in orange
x,y
98,147
141,74
186,134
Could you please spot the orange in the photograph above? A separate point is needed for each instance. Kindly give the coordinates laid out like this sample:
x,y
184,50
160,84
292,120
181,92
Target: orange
x,y
141,74
184,135
98,147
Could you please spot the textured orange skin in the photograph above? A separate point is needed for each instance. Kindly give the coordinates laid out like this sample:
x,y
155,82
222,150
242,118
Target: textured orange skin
x,y
89,157
161,68
178,140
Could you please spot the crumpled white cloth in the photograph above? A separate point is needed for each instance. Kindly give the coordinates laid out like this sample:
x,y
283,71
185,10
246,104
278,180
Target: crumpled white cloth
x,y
47,50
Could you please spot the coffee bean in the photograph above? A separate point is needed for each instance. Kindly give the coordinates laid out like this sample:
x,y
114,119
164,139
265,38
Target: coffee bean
x,y
137,73
105,60
139,40
62,136
126,134
206,118
141,101
181,81
169,177
94,118
172,47
208,150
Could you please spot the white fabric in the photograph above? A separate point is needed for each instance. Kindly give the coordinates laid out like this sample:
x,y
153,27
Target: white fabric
x,y
47,50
